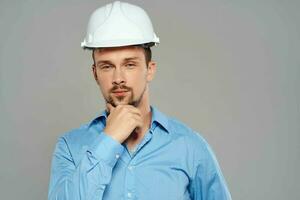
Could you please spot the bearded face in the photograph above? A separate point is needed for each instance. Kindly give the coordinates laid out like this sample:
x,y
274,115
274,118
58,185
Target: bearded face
x,y
122,74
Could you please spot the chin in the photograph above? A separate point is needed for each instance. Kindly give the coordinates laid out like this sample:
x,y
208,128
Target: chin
x,y
116,102
127,100
120,103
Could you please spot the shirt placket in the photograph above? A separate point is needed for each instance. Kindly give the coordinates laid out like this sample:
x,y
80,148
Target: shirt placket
x,y
130,189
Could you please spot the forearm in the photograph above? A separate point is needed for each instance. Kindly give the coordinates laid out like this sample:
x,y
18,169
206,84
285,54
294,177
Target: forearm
x,y
87,179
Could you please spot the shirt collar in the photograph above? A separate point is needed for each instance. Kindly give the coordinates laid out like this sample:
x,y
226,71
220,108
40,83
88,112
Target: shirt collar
x,y
158,118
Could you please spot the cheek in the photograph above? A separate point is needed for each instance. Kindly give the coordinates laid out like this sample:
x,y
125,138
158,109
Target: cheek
x,y
104,83
141,81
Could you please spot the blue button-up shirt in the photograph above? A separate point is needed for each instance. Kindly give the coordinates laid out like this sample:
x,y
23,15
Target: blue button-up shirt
x,y
172,162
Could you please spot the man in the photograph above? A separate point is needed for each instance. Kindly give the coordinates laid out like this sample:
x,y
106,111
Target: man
x,y
132,150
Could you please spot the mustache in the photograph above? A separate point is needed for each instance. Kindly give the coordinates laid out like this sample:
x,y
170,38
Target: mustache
x,y
120,87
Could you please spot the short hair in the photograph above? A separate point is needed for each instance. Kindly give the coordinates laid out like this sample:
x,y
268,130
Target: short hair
x,y
148,54
146,47
147,51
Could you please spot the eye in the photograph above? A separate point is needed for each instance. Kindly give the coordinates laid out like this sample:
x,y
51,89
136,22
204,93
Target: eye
x,y
130,65
105,67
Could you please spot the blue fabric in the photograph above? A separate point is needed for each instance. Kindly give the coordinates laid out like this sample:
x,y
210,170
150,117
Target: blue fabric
x,y
171,163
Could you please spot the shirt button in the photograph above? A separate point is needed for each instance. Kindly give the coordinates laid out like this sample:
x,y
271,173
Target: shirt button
x,y
129,195
117,156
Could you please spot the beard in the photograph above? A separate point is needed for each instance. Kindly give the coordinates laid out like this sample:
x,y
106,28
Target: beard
x,y
122,100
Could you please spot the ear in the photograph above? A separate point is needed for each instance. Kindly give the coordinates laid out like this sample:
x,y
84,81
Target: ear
x,y
95,73
151,70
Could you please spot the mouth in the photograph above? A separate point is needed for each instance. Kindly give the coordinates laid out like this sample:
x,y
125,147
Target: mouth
x,y
119,92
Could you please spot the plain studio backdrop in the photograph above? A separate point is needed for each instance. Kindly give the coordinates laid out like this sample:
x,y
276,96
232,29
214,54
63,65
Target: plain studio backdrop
x,y
227,68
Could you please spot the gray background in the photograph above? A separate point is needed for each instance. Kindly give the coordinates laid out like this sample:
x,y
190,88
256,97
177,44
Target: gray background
x,y
229,69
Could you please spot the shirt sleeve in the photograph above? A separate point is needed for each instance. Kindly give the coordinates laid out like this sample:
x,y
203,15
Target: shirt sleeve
x,y
208,182
88,179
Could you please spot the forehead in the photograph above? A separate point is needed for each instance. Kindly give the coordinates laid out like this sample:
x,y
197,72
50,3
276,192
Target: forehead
x,y
119,53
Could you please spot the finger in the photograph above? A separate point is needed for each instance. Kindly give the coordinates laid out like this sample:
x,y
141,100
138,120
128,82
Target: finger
x,y
134,110
138,121
131,113
128,109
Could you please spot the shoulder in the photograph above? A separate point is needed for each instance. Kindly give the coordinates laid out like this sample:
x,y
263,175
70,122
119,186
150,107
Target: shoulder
x,y
181,129
81,136
193,146
76,133
195,142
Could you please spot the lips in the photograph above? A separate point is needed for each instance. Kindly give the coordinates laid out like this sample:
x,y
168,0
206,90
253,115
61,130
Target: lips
x,y
119,92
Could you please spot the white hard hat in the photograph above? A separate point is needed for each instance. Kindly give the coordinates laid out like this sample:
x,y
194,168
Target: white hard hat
x,y
119,24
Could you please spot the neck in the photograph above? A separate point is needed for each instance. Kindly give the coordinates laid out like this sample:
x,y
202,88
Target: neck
x,y
145,109
144,106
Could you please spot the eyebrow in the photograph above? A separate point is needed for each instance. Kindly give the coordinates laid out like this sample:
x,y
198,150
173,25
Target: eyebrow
x,y
132,58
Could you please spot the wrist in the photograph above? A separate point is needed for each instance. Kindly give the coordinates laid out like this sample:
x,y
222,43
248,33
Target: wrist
x,y
112,135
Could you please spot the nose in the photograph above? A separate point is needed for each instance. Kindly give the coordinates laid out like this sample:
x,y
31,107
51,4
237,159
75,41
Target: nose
x,y
118,77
